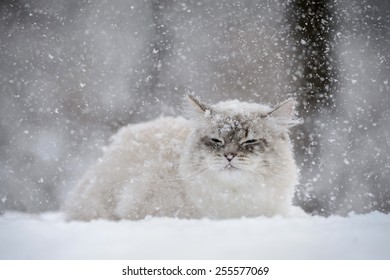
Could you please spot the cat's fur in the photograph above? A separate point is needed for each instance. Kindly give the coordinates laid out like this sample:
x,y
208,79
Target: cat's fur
x,y
230,160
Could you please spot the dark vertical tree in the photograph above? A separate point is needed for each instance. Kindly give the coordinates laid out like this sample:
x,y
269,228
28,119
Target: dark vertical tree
x,y
161,47
154,61
314,73
312,29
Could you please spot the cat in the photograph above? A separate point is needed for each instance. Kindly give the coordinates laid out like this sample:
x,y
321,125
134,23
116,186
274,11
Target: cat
x,y
229,160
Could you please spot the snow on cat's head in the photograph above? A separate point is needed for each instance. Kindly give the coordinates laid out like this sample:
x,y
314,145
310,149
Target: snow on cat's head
x,y
234,141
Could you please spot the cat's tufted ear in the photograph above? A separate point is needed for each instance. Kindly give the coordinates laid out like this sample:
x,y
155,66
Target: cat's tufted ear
x,y
195,107
285,115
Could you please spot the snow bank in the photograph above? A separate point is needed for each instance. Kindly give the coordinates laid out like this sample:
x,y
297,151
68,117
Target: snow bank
x,y
48,236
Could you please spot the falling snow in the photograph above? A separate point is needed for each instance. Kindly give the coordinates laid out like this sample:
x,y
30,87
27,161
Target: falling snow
x,y
73,72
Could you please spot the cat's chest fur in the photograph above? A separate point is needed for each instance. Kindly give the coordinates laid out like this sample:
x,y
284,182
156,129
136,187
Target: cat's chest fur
x,y
188,169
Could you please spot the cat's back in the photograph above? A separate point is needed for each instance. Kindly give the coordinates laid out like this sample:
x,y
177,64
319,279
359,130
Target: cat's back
x,y
144,140
139,156
148,149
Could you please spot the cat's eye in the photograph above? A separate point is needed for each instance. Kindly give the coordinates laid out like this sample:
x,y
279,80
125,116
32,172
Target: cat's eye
x,y
255,142
216,141
248,142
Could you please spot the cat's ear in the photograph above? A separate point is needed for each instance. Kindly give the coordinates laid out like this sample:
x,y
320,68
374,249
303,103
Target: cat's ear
x,y
285,115
195,107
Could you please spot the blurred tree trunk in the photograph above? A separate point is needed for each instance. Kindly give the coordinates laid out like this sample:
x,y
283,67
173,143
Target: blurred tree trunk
x,y
161,47
313,26
314,72
154,62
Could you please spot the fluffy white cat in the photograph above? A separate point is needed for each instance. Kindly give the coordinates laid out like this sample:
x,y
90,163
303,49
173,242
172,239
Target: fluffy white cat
x,y
229,160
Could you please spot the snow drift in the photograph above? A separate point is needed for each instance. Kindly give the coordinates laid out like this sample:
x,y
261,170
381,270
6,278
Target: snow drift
x,y
48,236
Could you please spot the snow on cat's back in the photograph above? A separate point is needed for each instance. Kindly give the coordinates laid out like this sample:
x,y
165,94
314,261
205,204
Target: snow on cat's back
x,y
131,179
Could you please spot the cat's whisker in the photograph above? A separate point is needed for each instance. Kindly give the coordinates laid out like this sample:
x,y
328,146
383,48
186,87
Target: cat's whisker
x,y
277,160
262,177
275,178
191,164
193,175
283,163
196,174
155,181
280,176
255,173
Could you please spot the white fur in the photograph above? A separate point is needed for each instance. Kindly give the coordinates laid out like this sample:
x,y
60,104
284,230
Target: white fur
x,y
159,168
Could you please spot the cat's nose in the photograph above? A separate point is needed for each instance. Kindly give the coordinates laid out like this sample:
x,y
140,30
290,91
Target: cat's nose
x,y
230,156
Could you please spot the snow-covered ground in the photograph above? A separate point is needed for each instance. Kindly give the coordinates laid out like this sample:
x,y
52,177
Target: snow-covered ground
x,y
48,236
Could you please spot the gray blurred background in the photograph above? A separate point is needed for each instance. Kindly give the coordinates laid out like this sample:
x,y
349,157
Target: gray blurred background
x,y
73,72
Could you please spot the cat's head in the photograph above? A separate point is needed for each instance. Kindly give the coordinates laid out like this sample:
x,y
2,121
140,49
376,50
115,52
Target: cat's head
x,y
232,138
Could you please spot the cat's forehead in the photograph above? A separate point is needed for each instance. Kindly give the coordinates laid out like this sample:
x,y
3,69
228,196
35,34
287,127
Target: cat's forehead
x,y
244,109
234,115
227,121
238,126
235,119
230,126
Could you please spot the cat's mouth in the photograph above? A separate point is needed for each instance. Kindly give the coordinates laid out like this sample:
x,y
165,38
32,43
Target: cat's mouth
x,y
230,167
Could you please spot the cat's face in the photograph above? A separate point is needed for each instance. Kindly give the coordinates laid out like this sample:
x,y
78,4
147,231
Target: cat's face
x,y
236,139
232,143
